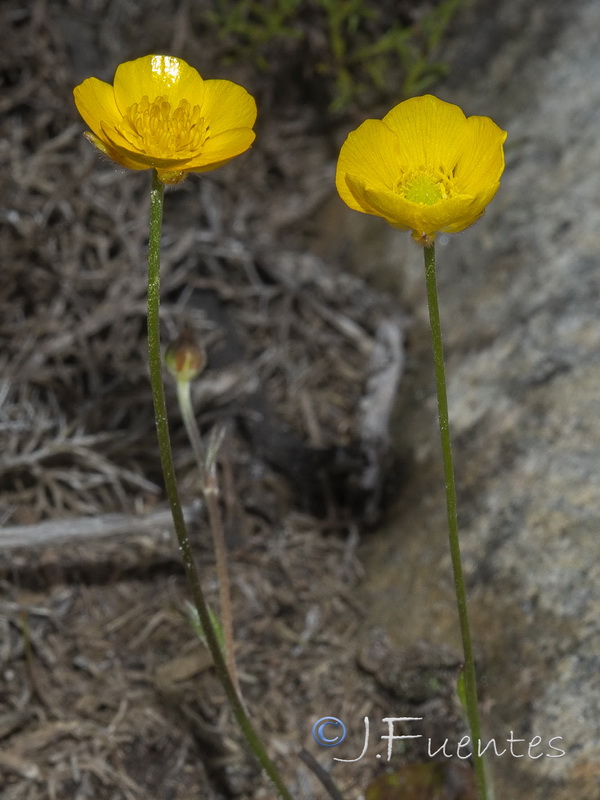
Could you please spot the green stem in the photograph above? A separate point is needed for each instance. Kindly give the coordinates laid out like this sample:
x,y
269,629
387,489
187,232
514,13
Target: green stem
x,y
459,582
166,457
210,490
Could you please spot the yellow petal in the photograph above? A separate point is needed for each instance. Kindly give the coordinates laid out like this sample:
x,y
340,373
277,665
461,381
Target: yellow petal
x,y
114,155
127,150
95,101
155,76
430,132
226,106
482,161
214,153
474,211
221,149
398,211
370,154
447,216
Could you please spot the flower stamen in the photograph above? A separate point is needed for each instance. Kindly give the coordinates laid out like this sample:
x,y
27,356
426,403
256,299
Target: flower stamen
x,y
156,129
425,186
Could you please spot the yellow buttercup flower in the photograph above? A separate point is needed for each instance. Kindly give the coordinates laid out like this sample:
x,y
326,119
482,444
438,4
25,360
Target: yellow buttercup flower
x,y
161,114
424,167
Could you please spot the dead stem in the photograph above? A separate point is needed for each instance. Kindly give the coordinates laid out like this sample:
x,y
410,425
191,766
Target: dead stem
x,y
207,465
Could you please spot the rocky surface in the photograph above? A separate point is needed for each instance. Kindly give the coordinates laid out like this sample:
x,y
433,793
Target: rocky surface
x,y
520,295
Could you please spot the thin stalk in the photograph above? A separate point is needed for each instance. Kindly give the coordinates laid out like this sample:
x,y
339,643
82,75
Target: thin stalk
x,y
210,490
189,420
459,582
166,457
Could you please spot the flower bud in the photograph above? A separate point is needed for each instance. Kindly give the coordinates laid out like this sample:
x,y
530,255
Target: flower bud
x,y
185,358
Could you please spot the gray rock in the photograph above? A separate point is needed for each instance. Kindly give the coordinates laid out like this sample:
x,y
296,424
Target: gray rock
x,y
520,298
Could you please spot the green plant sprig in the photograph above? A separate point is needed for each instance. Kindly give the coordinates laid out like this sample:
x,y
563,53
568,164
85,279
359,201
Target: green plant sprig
x,y
363,45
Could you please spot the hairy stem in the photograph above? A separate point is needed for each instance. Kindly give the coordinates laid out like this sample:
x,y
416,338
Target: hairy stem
x,y
459,583
166,457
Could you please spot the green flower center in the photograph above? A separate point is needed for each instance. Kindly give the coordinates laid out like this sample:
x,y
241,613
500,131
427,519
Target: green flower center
x,y
155,129
426,186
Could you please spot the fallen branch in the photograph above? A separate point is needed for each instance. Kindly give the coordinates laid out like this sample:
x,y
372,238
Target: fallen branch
x,y
75,530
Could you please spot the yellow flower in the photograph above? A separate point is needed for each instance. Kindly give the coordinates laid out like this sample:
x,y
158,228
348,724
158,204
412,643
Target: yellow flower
x,y
424,167
161,114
